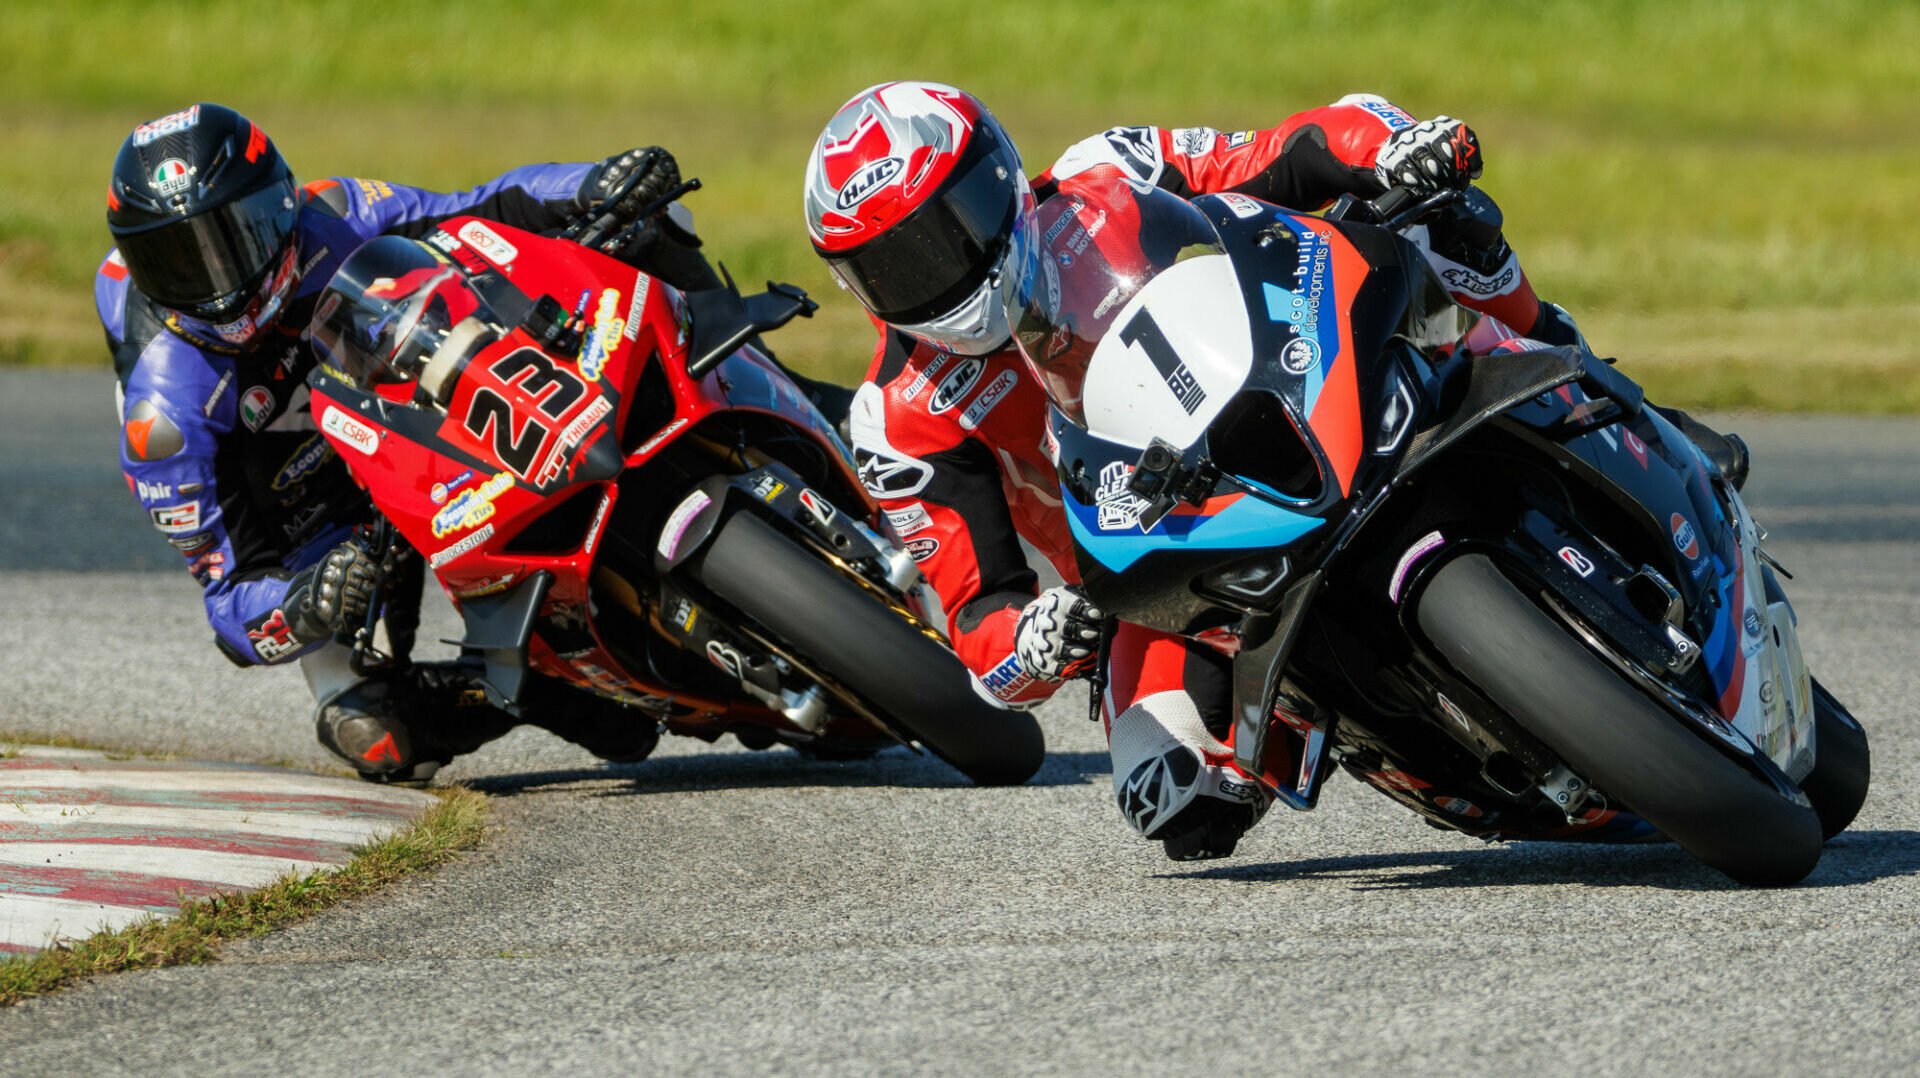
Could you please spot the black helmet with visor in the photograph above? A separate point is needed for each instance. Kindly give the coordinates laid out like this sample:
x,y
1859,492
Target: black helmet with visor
x,y
202,207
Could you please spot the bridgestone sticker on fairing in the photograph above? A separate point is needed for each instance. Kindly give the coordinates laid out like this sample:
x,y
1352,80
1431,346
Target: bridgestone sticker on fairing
x,y
464,546
681,519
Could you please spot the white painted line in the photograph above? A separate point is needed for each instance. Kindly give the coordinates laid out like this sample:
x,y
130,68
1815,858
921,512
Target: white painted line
x,y
252,782
209,866
49,752
308,826
34,920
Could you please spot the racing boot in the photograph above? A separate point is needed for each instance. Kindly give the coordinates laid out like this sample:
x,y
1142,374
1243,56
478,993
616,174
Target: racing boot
x,y
1176,782
608,729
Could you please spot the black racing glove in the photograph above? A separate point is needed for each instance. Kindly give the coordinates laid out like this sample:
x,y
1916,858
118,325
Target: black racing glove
x,y
1439,154
658,172
331,596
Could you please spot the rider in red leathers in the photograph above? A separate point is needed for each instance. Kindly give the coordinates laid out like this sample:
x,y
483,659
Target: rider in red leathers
x,y
917,201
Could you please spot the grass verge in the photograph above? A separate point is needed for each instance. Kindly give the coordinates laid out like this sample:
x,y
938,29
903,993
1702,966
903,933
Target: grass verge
x,y
195,934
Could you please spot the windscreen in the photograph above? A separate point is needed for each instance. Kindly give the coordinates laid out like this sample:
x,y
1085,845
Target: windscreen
x,y
1100,244
387,309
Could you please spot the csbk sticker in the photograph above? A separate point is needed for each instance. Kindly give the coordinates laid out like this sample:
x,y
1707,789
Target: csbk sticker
x,y
989,397
364,439
922,549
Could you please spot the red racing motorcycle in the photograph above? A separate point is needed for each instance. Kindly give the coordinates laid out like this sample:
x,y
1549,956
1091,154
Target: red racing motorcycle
x,y
617,488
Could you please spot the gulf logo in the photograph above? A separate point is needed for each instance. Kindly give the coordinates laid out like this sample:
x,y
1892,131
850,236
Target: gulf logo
x,y
1684,539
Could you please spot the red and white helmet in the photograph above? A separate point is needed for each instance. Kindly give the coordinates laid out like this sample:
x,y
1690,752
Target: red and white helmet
x,y
916,200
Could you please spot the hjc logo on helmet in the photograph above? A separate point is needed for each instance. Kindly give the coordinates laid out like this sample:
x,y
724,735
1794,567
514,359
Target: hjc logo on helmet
x,y
867,180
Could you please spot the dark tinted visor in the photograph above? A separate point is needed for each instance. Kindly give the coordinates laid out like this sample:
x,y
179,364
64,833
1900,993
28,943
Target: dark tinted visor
x,y
927,264
208,263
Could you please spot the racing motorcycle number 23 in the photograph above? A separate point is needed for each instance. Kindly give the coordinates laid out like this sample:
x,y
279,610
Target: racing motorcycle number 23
x,y
553,392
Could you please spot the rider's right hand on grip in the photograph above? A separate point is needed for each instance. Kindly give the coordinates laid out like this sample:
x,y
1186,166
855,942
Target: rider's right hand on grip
x,y
332,596
1057,634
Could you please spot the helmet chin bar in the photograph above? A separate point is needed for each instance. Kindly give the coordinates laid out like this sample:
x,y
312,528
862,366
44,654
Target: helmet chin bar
x,y
979,326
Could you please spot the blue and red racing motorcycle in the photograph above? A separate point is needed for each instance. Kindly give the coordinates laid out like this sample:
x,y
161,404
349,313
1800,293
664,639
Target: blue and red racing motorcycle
x,y
1497,587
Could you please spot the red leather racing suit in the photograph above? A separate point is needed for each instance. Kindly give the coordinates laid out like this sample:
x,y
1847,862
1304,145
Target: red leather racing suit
x,y
951,445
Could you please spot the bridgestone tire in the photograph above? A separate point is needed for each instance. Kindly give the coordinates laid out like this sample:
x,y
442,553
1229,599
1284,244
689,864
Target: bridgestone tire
x,y
780,585
1610,732
1842,766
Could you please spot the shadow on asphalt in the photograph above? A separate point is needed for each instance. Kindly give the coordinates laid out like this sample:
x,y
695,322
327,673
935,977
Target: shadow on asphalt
x,y
777,768
1852,858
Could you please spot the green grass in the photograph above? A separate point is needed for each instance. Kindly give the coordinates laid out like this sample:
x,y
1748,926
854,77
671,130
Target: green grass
x,y
1722,192
195,934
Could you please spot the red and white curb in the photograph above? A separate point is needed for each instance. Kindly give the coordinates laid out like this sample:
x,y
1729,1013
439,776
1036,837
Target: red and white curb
x,y
88,842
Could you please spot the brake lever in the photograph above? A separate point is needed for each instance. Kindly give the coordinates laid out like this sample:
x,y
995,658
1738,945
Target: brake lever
x,y
645,218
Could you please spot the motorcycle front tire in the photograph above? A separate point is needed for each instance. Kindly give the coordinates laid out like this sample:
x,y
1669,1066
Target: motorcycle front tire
x,y
1610,732
891,663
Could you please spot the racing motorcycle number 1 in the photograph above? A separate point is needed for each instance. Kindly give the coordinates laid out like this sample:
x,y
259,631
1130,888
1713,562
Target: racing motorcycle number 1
x,y
553,391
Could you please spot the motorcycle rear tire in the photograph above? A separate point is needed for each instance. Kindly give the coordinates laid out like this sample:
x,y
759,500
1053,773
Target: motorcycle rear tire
x,y
776,582
1842,766
1610,732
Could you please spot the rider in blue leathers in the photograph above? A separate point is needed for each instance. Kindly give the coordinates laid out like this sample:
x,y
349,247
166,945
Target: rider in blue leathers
x,y
220,259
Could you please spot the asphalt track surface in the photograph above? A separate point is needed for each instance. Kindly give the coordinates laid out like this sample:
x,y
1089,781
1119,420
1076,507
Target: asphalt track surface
x,y
719,910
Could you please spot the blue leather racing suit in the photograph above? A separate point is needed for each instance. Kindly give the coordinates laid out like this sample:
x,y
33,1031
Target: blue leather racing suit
x,y
220,447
